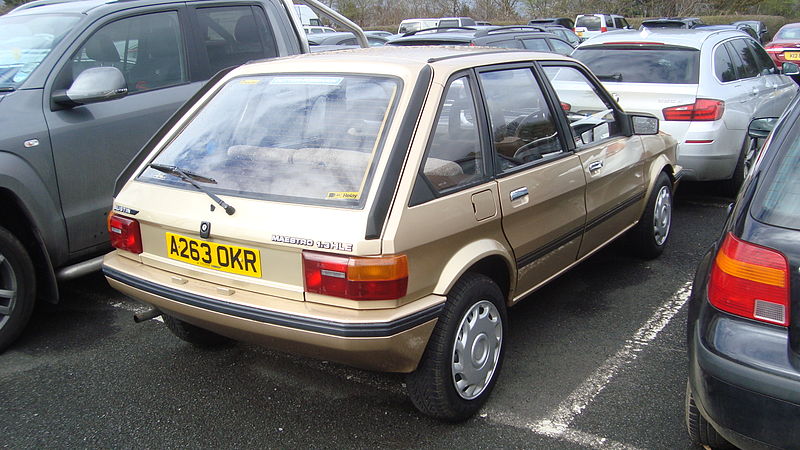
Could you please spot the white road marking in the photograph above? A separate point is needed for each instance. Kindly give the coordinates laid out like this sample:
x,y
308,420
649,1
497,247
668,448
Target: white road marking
x,y
557,423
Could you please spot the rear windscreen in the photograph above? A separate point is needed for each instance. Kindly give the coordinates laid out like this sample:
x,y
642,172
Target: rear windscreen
x,y
663,24
592,23
777,201
641,64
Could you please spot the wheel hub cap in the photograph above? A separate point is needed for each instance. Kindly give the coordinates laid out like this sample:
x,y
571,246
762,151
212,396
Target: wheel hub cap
x,y
8,289
662,216
476,349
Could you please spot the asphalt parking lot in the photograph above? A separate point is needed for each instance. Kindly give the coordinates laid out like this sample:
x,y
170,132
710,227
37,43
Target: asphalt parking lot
x,y
595,360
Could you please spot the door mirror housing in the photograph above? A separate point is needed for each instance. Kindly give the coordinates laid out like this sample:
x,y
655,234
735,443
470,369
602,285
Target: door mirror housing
x,y
97,84
760,128
644,124
789,68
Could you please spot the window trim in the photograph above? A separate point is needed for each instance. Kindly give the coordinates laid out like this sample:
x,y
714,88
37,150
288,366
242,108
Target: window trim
x,y
736,56
714,63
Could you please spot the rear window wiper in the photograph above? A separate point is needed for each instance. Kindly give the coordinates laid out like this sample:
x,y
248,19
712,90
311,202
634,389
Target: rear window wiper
x,y
612,77
192,178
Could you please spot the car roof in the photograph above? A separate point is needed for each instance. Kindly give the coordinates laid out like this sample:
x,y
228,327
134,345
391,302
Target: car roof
x,y
389,60
82,6
694,37
471,33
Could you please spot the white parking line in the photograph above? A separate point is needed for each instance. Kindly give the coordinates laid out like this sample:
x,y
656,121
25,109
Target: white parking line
x,y
557,423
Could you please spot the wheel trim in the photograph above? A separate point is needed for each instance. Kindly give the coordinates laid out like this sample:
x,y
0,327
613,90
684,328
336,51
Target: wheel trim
x,y
8,289
662,215
476,349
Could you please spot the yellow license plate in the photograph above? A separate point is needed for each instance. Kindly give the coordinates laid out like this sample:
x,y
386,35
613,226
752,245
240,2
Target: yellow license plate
x,y
793,56
227,258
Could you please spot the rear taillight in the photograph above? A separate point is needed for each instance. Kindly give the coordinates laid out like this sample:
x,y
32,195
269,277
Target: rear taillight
x,y
125,233
356,278
702,109
603,29
566,106
750,281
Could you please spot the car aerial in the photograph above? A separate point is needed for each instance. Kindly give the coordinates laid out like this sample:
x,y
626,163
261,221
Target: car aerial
x,y
744,355
590,25
83,86
343,38
757,25
383,207
705,86
520,36
785,45
560,21
408,25
672,22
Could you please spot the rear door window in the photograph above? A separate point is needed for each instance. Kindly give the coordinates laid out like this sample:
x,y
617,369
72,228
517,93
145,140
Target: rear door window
x,y
777,201
673,65
591,23
561,47
743,59
764,62
232,35
723,65
539,45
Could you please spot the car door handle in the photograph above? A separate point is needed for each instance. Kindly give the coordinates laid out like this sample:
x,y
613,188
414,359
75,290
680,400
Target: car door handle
x,y
594,166
517,194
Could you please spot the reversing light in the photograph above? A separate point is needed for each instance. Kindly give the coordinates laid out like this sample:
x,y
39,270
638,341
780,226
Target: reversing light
x,y
702,110
124,233
356,278
750,281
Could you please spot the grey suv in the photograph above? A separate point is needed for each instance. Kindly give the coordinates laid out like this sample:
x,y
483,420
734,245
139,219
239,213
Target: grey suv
x,y
83,85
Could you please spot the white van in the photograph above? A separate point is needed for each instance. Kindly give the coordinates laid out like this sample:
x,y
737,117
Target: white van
x,y
307,15
409,25
588,25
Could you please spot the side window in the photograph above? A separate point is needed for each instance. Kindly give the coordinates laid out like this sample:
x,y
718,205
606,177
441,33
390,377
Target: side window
x,y
147,49
723,66
765,64
523,127
561,47
622,23
539,45
231,36
589,116
508,43
747,66
454,156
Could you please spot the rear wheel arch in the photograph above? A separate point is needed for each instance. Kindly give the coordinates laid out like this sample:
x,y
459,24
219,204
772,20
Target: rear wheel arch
x,y
487,257
17,220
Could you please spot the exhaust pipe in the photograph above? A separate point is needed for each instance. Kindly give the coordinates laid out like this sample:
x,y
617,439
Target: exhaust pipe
x,y
151,313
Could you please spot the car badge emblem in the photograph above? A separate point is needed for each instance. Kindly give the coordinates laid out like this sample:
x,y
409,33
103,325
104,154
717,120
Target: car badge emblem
x,y
205,229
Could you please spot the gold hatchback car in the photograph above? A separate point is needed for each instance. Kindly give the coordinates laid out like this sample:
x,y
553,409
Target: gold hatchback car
x,y
384,207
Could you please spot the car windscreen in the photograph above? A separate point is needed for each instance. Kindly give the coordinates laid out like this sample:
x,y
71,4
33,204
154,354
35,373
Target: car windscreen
x,y
591,23
26,40
629,64
295,138
777,201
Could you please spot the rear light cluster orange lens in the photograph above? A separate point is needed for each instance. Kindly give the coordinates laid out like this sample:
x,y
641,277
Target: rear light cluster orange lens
x,y
125,233
702,109
750,281
356,278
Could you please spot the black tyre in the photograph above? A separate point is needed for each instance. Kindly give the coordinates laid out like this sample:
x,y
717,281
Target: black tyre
x,y
649,237
17,288
464,354
199,337
700,431
731,186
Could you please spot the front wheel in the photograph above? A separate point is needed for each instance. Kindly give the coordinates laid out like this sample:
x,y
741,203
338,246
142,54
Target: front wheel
x,y
17,288
464,354
649,237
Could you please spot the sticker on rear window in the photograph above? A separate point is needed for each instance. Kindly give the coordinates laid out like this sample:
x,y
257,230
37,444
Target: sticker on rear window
x,y
343,195
320,81
249,81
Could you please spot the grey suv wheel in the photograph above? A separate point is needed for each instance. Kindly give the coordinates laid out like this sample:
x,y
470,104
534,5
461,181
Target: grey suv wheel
x,y
17,288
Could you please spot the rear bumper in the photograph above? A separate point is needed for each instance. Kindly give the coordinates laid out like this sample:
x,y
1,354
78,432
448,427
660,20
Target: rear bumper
x,y
705,153
743,381
389,340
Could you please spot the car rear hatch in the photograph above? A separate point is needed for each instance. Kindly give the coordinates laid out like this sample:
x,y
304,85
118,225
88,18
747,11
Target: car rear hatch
x,y
646,77
271,166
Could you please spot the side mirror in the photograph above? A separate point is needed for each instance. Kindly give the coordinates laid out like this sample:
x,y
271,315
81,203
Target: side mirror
x,y
789,68
644,124
760,128
97,84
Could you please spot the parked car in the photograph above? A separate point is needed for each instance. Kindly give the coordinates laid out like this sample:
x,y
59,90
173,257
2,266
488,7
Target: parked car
x,y
531,38
446,22
785,46
87,83
482,23
744,355
564,33
309,29
299,222
343,38
408,25
744,28
560,21
379,33
672,22
704,85
759,27
590,25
